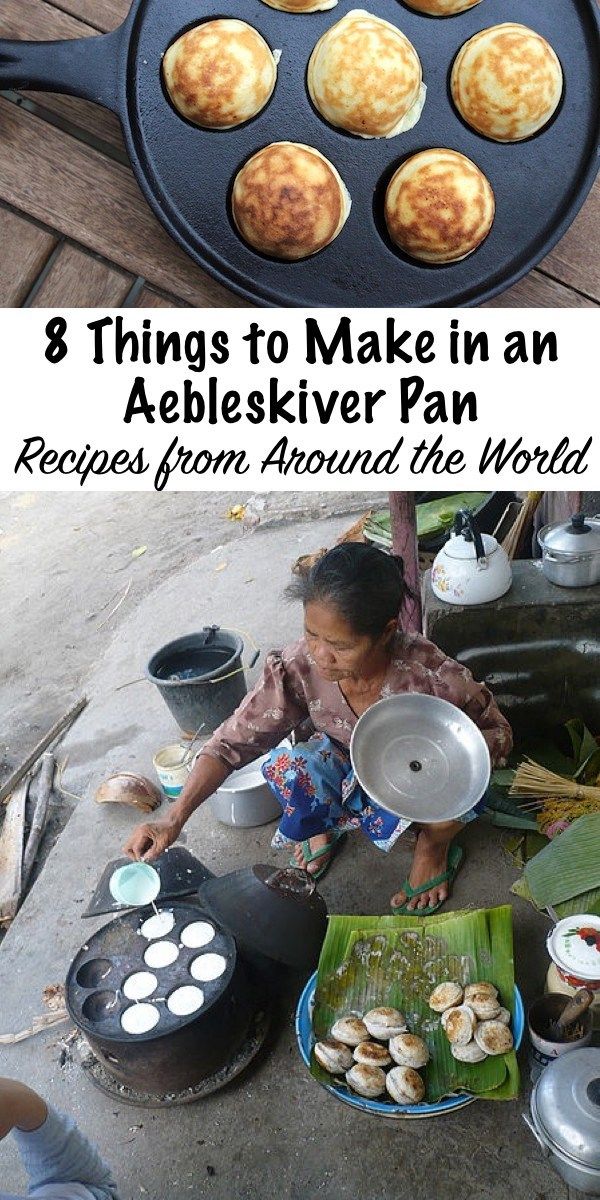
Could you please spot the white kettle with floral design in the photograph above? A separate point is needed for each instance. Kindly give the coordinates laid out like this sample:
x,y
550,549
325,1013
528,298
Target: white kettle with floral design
x,y
471,567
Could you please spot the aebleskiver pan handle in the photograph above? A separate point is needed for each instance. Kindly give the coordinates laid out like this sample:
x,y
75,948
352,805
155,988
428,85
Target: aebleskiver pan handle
x,y
87,67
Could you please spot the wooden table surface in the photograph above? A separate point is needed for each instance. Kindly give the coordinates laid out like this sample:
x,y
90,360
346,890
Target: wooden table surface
x,y
75,230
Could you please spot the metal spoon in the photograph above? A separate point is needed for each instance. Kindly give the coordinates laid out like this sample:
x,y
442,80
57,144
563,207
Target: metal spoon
x,y
187,757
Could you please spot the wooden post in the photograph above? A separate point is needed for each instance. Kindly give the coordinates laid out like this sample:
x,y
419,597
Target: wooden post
x,y
11,853
404,542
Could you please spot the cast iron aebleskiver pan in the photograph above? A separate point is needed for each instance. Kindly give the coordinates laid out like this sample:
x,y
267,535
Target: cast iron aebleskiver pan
x,y
186,173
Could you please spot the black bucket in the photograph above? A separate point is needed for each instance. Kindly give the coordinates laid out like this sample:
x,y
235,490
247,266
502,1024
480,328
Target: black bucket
x,y
200,677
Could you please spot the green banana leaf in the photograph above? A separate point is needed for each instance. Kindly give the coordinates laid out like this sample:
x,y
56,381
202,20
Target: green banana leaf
x,y
589,771
526,846
587,902
397,961
583,742
569,865
505,811
502,777
432,518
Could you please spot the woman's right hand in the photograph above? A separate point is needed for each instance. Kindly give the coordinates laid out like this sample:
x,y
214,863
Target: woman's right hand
x,y
151,838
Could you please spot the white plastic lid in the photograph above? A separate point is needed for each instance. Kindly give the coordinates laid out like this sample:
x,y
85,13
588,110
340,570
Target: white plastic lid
x,y
574,945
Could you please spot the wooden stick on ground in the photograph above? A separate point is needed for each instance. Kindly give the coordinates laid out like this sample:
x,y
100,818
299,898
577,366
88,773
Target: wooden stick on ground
x,y
11,854
40,817
60,727
38,1024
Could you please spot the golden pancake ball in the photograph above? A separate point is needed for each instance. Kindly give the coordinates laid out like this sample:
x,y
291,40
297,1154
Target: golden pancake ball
x,y
365,76
507,82
439,206
288,201
301,6
441,8
220,73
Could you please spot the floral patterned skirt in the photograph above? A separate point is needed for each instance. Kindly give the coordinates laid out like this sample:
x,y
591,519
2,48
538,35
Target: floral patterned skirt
x,y
317,790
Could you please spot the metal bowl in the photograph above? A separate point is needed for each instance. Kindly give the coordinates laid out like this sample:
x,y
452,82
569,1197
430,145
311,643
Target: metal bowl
x,y
420,758
134,884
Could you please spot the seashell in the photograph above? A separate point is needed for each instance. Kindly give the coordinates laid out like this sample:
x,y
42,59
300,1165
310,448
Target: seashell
x,y
471,1053
472,988
367,1081
372,1054
494,1037
504,1016
128,788
384,1023
349,1030
333,1056
459,1024
484,1005
404,1085
408,1050
445,995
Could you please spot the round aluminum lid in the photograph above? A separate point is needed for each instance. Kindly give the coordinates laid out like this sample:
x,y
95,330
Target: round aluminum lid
x,y
566,1102
459,547
574,945
580,535
420,757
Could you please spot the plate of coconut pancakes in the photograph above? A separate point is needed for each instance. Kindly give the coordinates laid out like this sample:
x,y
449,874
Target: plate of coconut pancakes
x,y
425,152
374,1062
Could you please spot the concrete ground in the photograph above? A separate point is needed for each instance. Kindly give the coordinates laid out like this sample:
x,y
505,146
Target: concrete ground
x,y
71,579
67,560
275,1132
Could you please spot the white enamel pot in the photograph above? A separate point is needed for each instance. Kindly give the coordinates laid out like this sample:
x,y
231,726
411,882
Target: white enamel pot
x,y
471,567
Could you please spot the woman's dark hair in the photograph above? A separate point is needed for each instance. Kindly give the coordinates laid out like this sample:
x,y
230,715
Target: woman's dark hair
x,y
365,585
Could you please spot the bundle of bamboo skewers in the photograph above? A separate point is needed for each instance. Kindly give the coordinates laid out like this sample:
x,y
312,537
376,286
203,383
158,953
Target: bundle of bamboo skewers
x,y
552,797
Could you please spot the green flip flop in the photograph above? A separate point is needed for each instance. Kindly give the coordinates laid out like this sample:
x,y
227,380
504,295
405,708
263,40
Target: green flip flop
x,y
455,859
313,855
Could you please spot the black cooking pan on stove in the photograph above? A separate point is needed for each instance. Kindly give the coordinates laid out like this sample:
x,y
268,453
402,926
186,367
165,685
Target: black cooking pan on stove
x,y
186,173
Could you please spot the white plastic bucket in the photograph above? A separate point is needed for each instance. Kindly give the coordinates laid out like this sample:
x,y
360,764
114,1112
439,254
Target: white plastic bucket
x,y
171,765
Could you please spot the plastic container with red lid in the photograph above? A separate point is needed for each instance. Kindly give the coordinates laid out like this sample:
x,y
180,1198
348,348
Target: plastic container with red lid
x,y
574,947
